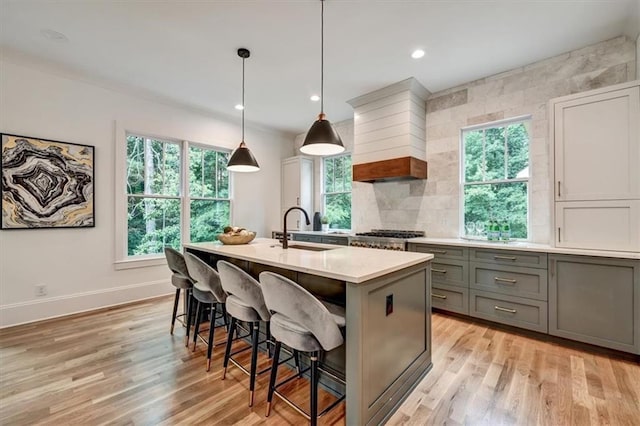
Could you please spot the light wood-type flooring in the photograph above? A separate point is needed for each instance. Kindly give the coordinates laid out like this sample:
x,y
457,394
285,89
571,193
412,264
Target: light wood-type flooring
x,y
121,366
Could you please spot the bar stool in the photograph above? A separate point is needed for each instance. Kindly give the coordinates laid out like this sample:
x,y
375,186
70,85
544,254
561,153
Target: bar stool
x,y
245,303
304,323
180,280
207,290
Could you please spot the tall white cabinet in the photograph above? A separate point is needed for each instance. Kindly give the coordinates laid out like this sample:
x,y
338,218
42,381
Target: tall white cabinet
x,y
297,190
596,170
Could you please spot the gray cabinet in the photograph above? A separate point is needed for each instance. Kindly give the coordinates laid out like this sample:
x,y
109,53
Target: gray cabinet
x,y
323,239
595,300
509,287
449,276
307,238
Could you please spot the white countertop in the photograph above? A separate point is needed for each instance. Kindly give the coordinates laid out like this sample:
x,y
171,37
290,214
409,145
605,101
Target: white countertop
x,y
352,264
525,246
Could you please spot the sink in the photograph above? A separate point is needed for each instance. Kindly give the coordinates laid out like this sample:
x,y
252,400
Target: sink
x,y
310,248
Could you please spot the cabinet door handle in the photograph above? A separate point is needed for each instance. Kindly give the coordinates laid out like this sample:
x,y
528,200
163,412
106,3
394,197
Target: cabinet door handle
x,y
297,201
558,188
439,251
559,240
497,257
511,311
440,271
505,280
438,296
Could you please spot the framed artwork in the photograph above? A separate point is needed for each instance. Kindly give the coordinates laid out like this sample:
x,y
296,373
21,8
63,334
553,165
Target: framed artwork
x,y
46,184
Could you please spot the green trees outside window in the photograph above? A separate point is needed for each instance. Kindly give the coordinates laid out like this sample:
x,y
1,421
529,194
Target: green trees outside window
x,y
496,176
337,191
158,199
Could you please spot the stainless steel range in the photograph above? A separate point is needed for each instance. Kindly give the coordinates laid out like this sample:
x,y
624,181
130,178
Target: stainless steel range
x,y
387,239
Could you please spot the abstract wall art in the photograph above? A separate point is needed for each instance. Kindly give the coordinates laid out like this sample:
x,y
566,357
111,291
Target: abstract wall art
x,y
46,184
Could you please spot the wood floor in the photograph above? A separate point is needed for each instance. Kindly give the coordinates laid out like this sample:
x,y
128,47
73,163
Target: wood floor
x,y
121,366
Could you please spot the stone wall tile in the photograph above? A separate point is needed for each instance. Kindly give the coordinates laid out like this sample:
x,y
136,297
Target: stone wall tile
x,y
599,78
447,101
485,118
489,89
500,103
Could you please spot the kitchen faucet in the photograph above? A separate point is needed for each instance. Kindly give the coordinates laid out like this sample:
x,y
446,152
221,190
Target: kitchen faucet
x,y
285,240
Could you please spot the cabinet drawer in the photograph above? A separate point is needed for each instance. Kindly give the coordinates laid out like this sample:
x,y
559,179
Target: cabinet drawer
x,y
307,238
453,299
441,252
509,257
514,281
510,310
451,272
341,241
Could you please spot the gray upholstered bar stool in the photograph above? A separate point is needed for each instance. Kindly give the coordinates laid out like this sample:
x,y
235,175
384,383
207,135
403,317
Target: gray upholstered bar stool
x,y
245,303
180,280
304,323
207,290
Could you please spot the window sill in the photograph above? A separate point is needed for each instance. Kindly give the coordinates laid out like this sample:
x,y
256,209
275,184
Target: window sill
x,y
139,263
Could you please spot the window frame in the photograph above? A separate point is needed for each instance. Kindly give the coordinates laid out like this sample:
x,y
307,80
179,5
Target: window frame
x,y
323,193
461,179
122,259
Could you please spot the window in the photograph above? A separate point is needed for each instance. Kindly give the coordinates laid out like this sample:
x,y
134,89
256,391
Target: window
x,y
495,177
160,202
336,191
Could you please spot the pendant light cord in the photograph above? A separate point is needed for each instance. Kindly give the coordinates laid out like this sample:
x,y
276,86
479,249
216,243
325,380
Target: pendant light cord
x,y
243,107
322,58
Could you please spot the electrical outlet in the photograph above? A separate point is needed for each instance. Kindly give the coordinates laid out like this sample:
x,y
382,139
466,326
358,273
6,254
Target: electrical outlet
x,y
41,290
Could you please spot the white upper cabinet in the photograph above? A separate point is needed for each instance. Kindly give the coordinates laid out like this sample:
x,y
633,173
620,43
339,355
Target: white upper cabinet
x,y
297,190
596,168
597,146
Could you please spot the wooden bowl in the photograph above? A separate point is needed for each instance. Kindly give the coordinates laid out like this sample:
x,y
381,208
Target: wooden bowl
x,y
236,239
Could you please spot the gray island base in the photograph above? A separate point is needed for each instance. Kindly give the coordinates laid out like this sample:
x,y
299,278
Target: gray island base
x,y
387,299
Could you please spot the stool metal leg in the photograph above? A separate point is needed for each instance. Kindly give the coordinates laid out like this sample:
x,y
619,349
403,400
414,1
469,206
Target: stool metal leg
x,y
175,309
314,388
274,374
296,359
254,360
227,351
211,333
189,314
196,329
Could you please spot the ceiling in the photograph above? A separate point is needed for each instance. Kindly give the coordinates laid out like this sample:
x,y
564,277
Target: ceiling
x,y
185,51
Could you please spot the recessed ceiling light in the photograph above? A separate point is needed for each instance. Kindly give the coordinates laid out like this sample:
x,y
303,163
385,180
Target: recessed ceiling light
x,y
315,98
54,35
417,54
239,107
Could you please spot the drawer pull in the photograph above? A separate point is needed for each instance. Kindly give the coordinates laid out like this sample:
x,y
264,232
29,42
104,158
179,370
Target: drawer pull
x,y
498,308
440,271
438,296
439,251
505,280
497,257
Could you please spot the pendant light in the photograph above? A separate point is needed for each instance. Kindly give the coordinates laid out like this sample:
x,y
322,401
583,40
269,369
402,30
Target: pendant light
x,y
242,160
322,138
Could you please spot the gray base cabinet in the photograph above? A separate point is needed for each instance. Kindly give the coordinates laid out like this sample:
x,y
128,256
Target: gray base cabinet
x,y
449,276
595,300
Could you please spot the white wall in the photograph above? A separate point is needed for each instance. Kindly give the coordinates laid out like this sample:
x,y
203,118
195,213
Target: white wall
x,y
77,265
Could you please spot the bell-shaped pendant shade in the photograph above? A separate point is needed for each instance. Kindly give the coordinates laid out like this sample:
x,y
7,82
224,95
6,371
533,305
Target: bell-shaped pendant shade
x,y
242,160
322,139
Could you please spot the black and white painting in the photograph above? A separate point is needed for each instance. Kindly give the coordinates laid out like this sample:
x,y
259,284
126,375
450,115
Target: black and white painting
x,y
46,184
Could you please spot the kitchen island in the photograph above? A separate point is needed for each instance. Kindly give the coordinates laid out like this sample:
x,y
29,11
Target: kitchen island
x,y
388,312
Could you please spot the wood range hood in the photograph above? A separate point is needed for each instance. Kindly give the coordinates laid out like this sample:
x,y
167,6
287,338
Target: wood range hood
x,y
390,133
403,168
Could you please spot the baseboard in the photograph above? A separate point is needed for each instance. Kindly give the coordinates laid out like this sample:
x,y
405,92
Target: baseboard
x,y
38,310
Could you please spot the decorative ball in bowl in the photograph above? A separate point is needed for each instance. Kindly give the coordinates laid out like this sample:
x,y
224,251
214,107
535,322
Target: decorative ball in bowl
x,y
234,236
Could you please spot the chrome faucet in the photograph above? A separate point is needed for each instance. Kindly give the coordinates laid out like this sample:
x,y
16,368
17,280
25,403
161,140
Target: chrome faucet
x,y
285,240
